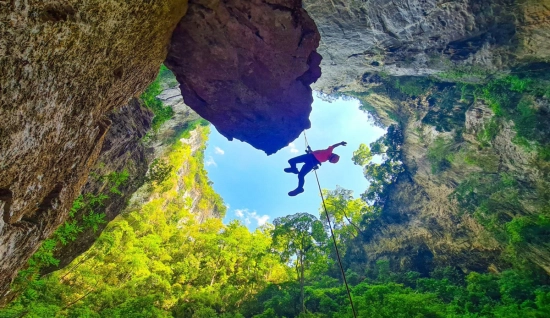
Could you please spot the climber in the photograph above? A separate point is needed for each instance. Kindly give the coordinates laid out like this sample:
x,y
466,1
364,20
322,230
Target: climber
x,y
311,159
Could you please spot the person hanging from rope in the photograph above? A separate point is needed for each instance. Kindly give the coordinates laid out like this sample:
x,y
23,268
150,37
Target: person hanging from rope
x,y
311,161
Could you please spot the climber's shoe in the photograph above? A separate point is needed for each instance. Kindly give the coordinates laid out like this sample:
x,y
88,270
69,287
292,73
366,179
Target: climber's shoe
x,y
295,192
291,170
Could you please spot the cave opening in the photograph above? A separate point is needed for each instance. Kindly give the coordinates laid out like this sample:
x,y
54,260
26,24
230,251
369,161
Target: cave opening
x,y
254,185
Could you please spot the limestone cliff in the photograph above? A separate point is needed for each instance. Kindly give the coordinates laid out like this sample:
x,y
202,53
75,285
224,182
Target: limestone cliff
x,y
405,37
119,172
475,206
473,189
64,66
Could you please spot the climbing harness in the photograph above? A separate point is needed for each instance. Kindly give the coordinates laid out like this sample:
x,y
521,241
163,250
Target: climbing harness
x,y
332,233
308,151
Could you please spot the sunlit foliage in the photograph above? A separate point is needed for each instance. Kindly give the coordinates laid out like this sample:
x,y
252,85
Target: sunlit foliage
x,y
160,259
149,97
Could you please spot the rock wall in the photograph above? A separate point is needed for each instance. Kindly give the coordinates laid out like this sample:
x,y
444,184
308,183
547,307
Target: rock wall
x,y
123,152
246,67
422,225
64,65
368,48
419,38
183,115
129,149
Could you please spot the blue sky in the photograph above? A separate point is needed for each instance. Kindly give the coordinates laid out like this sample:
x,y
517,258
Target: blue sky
x,y
255,187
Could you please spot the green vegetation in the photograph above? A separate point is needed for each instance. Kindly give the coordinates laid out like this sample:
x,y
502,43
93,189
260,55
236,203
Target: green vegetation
x,y
167,258
489,132
85,205
362,156
514,208
495,201
488,162
295,237
440,154
466,74
347,215
409,85
116,179
381,176
378,292
512,99
149,97
162,260
144,263
159,171
167,77
448,105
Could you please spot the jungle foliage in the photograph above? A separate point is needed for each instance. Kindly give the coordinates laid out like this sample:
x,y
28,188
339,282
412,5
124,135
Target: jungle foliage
x,y
512,206
162,260
84,205
149,97
381,175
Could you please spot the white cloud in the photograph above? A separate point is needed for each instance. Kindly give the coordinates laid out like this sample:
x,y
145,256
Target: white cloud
x,y
261,219
219,151
239,213
293,148
248,216
210,162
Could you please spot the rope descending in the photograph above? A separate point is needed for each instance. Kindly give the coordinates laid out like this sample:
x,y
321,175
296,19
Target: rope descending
x,y
333,237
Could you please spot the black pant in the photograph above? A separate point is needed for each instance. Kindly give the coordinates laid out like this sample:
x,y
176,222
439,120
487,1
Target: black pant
x,y
309,161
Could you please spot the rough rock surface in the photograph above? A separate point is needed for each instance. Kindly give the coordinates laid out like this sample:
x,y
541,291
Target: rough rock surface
x,y
422,225
64,64
127,148
122,151
423,37
246,67
162,139
368,43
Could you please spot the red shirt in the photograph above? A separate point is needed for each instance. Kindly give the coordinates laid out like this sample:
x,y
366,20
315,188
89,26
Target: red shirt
x,y
323,155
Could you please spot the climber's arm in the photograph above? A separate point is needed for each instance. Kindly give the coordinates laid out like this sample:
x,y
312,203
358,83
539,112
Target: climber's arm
x,y
343,143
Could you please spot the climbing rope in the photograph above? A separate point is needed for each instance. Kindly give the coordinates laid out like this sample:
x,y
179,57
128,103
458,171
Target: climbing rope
x,y
333,238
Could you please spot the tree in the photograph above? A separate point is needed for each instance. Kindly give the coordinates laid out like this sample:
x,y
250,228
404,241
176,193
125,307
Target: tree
x,y
362,156
296,237
381,176
345,212
159,171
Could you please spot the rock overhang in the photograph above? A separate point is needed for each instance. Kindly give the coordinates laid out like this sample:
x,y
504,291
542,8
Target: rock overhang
x,y
247,67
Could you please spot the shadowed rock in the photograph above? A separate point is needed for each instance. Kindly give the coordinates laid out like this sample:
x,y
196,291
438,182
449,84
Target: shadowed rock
x,y
421,37
63,66
246,66
122,150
